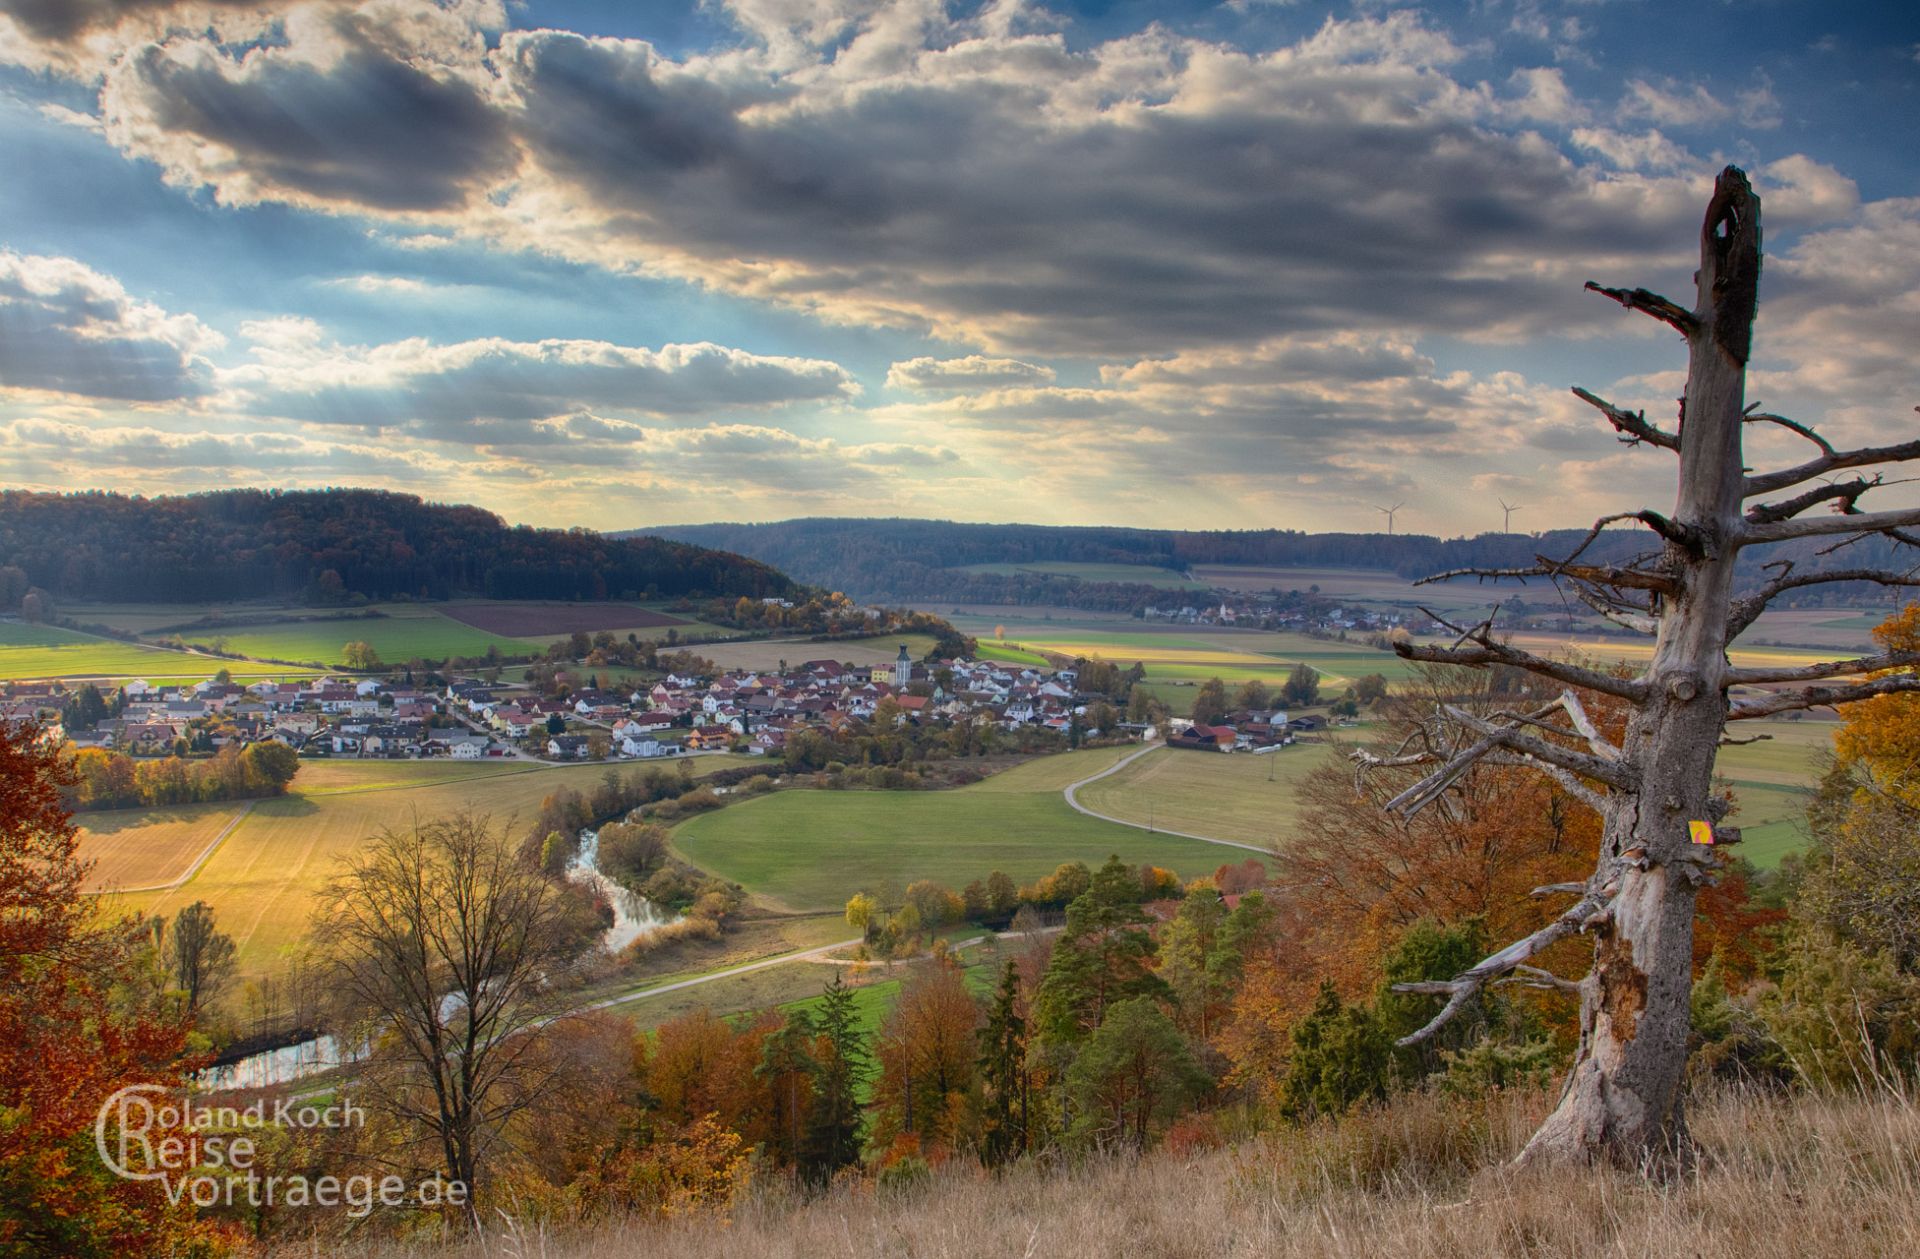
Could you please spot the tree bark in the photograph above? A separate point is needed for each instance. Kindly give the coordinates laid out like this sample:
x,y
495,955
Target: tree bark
x,y
1622,1102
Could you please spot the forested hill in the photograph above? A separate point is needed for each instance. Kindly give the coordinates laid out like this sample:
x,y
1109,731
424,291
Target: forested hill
x,y
915,558
923,559
333,544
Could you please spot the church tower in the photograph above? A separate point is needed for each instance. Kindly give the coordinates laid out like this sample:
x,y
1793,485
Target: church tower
x,y
902,669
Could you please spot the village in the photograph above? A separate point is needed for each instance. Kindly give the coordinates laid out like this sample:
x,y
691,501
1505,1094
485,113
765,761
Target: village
x,y
470,718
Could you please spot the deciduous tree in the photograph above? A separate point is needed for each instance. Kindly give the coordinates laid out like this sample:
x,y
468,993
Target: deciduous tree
x,y
445,949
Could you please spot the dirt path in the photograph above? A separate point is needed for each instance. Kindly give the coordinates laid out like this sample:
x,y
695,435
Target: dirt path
x,y
730,972
1072,794
246,807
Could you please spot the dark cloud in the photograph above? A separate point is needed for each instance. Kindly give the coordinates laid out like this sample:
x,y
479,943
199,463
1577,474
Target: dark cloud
x,y
998,189
368,130
1329,193
60,20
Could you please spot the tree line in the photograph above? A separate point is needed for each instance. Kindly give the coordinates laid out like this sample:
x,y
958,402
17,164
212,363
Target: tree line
x,y
331,546
926,559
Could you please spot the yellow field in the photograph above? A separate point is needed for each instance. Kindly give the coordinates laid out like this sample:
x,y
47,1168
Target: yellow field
x,y
261,882
1640,650
768,653
145,847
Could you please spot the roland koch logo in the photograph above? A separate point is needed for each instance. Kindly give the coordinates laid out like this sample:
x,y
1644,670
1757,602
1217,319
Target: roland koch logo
x,y
210,1155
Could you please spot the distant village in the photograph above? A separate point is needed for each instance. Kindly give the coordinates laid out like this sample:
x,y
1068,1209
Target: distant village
x,y
469,718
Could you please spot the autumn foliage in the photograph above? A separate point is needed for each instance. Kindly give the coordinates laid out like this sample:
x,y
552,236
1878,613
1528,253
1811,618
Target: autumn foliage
x,y
69,1036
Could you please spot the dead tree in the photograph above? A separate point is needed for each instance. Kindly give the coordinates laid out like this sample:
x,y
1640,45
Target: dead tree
x,y
1622,1103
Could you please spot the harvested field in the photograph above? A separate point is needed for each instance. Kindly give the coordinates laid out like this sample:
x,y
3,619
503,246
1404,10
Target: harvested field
x,y
531,620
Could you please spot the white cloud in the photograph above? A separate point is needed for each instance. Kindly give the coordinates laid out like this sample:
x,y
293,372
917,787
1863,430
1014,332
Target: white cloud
x,y
67,329
441,389
1672,104
972,372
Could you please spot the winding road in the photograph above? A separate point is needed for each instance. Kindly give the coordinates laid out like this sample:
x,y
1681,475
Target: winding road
x,y
1072,795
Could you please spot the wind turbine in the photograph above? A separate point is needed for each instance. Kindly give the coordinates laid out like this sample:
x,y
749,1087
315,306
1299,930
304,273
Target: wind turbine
x,y
1388,513
1506,523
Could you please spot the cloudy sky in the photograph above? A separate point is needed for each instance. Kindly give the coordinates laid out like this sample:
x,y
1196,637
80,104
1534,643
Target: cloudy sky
x,y
1198,264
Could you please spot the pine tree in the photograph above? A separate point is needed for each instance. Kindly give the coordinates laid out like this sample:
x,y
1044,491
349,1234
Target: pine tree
x,y
1105,955
840,1066
1003,1068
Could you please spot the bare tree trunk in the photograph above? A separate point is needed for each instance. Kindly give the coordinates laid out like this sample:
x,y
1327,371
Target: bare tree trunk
x,y
1622,1100
1623,1103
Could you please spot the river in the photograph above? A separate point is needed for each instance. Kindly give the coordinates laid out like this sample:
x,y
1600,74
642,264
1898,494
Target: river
x,y
633,916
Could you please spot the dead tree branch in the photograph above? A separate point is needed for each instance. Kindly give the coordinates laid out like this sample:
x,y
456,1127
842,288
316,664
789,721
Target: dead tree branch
x,y
1487,650
1632,425
1830,461
1825,669
1827,526
1847,492
1745,611
1755,416
1821,697
1460,990
1647,302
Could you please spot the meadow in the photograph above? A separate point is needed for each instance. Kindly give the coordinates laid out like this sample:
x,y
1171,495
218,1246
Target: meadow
x,y
811,850
403,632
316,637
1249,799
262,879
1782,1175
1772,782
43,651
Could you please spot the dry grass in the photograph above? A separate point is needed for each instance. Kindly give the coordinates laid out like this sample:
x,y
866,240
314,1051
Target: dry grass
x,y
1809,1178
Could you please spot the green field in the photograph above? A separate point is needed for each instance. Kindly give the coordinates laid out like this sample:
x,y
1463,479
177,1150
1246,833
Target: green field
x,y
1364,587
1231,797
404,632
261,881
1772,782
316,636
1245,798
42,651
1137,574
811,850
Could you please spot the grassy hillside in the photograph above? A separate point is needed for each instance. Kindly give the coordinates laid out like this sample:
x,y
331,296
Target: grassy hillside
x,y
1424,1178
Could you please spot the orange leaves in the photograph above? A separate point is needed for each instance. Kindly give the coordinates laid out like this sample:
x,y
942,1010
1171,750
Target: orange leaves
x,y
1883,734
